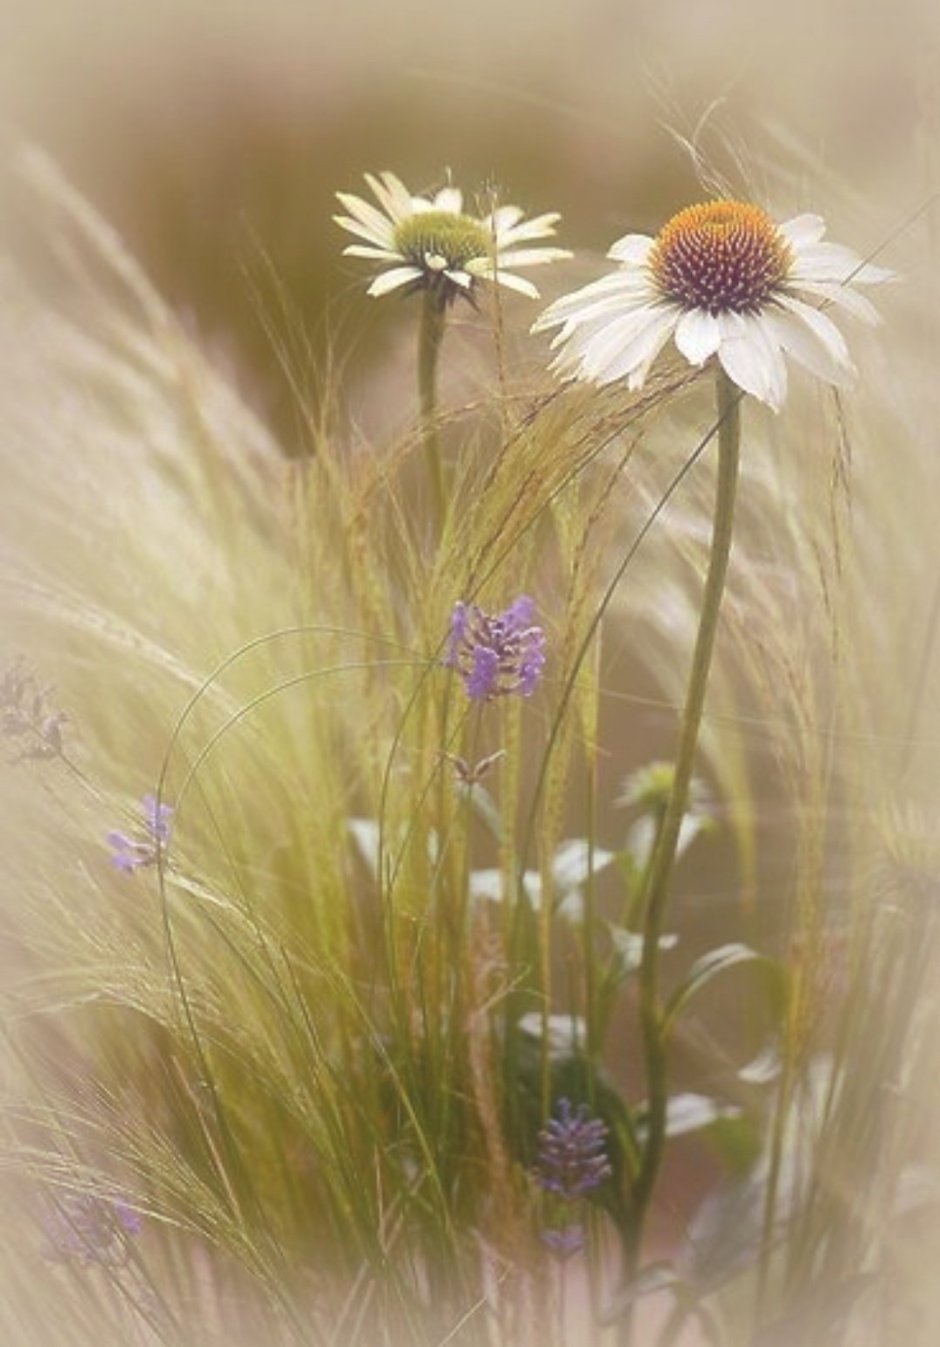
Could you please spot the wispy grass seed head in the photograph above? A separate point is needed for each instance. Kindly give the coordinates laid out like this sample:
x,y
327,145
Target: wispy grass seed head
x,y
724,280
431,243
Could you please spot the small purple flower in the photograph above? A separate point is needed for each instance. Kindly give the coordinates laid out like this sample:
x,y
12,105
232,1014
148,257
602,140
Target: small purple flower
x,y
131,853
564,1241
496,654
572,1158
27,715
83,1228
158,816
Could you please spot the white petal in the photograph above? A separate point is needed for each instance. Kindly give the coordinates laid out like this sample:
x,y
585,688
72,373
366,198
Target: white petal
x,y
833,262
390,201
697,335
872,275
379,254
824,261
750,359
459,278
487,270
391,280
503,218
632,248
530,257
399,198
844,297
379,224
648,344
540,228
777,364
801,341
519,283
449,199
803,229
588,322
383,239
624,345
596,344
823,330
620,287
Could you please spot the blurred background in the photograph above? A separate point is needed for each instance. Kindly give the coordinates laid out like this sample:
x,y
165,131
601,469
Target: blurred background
x,y
213,135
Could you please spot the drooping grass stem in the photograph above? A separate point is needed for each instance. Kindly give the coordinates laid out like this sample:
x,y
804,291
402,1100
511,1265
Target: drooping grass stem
x,y
664,855
430,333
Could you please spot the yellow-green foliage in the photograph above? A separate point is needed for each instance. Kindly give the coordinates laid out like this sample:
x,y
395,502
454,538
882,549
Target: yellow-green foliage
x,y
288,1056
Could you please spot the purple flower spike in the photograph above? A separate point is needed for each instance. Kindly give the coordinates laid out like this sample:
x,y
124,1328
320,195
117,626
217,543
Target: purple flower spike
x,y
572,1159
132,853
564,1241
496,654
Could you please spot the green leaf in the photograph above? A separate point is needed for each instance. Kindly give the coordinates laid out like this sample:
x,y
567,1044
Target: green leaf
x,y
717,961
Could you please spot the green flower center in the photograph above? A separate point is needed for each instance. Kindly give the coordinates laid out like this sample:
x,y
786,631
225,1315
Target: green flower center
x,y
439,234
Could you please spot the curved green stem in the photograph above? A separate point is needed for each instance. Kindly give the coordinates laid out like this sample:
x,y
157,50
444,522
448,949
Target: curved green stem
x,y
433,316
664,855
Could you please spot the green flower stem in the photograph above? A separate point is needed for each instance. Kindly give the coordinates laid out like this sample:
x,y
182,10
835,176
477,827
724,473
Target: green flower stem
x,y
664,855
433,317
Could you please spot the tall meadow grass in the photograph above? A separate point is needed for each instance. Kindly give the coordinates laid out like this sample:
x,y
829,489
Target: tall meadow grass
x,y
313,1041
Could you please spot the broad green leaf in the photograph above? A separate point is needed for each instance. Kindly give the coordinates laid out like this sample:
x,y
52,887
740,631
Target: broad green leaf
x,y
716,961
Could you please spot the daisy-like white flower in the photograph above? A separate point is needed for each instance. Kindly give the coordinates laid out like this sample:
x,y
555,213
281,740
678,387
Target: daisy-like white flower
x,y
724,280
429,242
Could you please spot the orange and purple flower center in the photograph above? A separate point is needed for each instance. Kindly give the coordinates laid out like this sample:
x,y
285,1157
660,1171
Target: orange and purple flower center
x,y
720,256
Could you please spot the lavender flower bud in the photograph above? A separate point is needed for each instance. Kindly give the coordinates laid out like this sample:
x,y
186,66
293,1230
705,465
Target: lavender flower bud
x,y
131,853
496,654
572,1158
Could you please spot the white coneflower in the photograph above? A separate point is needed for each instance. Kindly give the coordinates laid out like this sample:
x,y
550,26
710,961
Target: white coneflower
x,y
429,242
725,280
